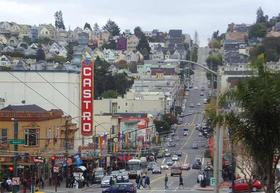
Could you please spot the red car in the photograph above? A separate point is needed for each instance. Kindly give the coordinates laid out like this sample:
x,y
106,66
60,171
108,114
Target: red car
x,y
242,185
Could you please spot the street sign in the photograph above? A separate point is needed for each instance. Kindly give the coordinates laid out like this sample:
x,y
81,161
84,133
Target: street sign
x,y
213,181
17,141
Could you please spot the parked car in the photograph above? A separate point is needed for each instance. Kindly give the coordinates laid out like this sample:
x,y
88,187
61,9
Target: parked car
x,y
185,133
98,175
106,181
186,166
242,185
192,105
121,188
164,167
201,94
156,170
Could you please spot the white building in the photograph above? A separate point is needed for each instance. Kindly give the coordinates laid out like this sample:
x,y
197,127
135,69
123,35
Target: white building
x,y
14,91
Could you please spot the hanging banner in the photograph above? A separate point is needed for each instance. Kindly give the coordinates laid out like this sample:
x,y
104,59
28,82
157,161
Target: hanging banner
x,y
87,73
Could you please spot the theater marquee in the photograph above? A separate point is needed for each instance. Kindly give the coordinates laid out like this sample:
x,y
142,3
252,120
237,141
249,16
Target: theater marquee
x,y
87,72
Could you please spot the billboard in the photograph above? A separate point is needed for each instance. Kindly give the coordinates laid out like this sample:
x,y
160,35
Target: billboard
x,y
87,72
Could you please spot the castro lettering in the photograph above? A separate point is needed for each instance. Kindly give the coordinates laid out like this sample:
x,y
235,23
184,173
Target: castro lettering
x,y
87,97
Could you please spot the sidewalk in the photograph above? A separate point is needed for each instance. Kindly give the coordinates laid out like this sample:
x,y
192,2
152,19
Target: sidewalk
x,y
64,190
223,186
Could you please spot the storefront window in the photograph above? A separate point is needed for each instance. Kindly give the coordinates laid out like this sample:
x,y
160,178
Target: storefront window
x,y
31,137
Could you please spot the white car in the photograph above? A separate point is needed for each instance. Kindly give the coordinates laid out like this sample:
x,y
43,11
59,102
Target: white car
x,y
198,104
164,167
175,158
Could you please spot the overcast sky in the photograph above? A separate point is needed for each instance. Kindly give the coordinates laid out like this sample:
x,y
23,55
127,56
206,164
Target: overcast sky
x,y
205,16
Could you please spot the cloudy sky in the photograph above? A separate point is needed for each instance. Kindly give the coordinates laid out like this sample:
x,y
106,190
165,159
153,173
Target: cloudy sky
x,y
205,16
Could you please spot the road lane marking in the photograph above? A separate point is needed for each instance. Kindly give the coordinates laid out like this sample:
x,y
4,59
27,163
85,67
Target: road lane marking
x,y
163,161
188,139
186,158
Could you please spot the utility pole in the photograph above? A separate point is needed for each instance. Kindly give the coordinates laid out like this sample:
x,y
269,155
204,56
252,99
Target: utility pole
x,y
66,150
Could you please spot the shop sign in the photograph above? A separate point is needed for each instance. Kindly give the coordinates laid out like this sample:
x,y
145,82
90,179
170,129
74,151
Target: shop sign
x,y
87,74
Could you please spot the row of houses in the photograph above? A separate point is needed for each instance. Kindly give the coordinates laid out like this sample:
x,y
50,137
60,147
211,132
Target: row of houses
x,y
237,44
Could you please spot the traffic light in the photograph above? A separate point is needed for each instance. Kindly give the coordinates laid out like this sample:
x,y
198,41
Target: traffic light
x,y
11,169
53,160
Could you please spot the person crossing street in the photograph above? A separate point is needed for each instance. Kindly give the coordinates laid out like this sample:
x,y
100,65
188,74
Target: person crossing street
x,y
166,181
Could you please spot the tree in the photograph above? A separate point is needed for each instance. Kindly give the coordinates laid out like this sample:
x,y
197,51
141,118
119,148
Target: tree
x,y
104,80
59,24
111,44
40,55
260,16
256,124
87,25
143,47
26,39
194,54
138,32
164,125
257,30
96,28
110,94
70,50
213,61
112,28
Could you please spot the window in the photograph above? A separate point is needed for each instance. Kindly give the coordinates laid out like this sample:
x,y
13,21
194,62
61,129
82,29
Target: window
x,y
4,136
114,107
31,137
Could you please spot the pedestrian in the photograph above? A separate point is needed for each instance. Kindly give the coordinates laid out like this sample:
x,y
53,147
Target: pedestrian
x,y
181,184
166,181
137,180
111,181
147,182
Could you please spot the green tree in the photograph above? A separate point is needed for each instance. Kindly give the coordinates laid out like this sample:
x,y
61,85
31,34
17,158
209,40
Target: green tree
x,y
271,47
70,50
104,80
111,44
194,54
59,24
260,16
40,55
26,39
112,28
257,30
110,94
87,25
214,60
96,28
257,125
138,32
58,59
163,125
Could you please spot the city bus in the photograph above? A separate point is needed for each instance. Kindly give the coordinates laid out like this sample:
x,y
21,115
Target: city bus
x,y
136,166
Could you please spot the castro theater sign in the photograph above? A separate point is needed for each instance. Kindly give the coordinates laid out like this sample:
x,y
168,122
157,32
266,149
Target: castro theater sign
x,y
87,73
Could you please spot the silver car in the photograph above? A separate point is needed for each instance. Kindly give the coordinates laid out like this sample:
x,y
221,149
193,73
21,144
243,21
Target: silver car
x,y
105,182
